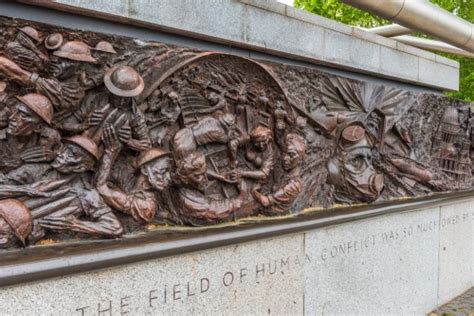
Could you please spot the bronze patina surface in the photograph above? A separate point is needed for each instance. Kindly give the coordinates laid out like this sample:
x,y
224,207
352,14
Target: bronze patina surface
x,y
104,137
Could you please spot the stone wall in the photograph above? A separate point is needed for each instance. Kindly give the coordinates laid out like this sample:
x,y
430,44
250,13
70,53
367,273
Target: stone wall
x,y
405,263
271,27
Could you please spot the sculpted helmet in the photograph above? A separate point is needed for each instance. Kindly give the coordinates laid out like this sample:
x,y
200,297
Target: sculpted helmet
x,y
31,32
85,143
18,217
353,134
104,46
39,104
75,50
150,155
53,41
124,81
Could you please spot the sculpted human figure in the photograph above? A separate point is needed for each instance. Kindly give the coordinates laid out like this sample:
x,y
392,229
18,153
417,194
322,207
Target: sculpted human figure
x,y
194,207
217,102
143,201
223,129
260,154
104,53
24,50
68,81
351,170
94,105
124,83
280,201
281,116
161,119
82,209
29,137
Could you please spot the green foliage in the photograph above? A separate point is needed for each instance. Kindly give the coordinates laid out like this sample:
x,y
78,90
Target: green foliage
x,y
336,10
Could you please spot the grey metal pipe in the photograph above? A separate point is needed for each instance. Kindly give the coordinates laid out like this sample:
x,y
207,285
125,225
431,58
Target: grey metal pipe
x,y
390,30
423,16
432,45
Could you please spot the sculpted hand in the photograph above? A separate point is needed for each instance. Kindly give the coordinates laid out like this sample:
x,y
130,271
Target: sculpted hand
x,y
10,162
38,193
110,138
97,117
234,176
125,133
262,199
37,154
59,223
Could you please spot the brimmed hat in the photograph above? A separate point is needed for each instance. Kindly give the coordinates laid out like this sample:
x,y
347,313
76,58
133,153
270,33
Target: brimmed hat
x,y
85,143
353,133
104,46
53,41
18,217
124,81
39,104
31,32
75,50
151,155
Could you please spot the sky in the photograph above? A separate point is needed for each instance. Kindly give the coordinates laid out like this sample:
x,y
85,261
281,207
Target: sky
x,y
287,2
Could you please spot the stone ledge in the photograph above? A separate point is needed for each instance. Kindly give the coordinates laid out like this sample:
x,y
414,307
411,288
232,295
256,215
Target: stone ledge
x,y
397,263
315,19
268,26
41,262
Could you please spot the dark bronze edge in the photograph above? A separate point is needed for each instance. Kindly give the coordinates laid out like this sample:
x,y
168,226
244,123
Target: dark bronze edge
x,y
70,264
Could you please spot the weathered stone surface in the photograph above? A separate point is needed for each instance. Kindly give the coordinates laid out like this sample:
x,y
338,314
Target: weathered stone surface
x,y
448,76
456,253
386,265
253,278
399,63
263,24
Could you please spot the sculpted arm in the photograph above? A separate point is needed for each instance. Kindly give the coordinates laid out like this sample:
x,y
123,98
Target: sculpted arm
x,y
107,225
115,198
14,72
141,206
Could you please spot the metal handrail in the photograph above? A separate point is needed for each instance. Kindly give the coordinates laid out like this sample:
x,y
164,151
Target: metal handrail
x,y
423,16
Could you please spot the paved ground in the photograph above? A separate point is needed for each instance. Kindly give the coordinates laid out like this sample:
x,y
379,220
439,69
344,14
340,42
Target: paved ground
x,y
461,305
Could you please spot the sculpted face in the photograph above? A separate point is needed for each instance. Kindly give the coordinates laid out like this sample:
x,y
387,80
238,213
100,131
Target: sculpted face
x,y
213,98
192,171
73,159
198,178
291,159
158,173
261,137
61,68
121,102
261,144
363,181
23,121
171,111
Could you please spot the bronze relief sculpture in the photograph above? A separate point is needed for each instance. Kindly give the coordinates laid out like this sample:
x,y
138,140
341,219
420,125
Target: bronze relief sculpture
x,y
102,136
